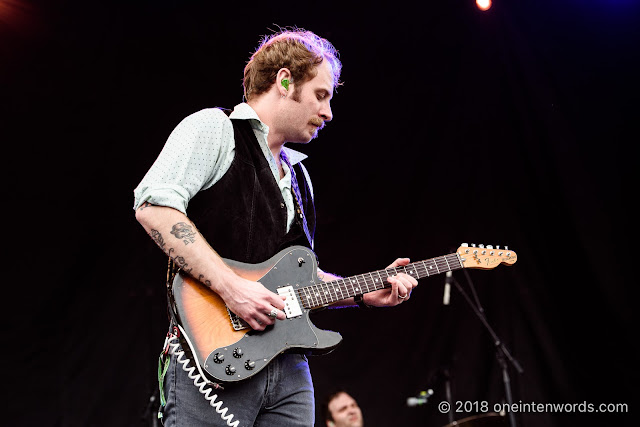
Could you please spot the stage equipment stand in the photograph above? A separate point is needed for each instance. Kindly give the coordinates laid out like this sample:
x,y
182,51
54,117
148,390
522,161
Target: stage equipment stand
x,y
502,353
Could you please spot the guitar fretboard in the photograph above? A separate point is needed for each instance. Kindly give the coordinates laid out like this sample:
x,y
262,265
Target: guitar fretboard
x,y
325,293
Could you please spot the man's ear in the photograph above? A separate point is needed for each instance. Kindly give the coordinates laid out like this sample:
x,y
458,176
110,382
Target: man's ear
x,y
283,81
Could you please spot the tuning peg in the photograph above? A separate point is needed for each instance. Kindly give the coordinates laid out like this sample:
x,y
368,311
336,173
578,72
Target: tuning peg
x,y
473,245
465,245
506,248
481,246
489,246
497,246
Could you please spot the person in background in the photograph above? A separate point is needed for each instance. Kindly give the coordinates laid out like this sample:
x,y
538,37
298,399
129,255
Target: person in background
x,y
342,410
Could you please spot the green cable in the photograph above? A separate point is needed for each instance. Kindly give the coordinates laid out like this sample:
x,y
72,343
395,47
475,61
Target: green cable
x,y
162,371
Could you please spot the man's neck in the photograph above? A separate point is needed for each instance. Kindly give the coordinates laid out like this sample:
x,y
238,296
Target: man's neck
x,y
264,108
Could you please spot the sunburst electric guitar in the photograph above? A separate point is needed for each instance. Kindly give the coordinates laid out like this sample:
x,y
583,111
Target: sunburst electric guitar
x,y
228,350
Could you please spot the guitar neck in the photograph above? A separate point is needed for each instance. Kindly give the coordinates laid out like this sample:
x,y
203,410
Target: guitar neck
x,y
325,293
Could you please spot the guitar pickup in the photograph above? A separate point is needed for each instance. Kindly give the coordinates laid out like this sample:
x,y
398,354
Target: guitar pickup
x,y
291,305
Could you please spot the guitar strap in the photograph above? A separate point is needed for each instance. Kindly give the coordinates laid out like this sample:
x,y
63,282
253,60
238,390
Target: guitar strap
x,y
295,189
297,197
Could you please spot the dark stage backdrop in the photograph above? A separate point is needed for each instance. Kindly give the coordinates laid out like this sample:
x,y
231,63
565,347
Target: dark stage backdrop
x,y
512,127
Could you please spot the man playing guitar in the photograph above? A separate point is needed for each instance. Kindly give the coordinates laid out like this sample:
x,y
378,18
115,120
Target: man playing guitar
x,y
248,198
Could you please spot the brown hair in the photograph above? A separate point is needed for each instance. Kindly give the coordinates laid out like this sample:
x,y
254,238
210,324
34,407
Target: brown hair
x,y
324,407
298,50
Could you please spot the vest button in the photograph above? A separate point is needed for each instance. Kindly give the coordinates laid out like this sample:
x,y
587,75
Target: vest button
x,y
282,205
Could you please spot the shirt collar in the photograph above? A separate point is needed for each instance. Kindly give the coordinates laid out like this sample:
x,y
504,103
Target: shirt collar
x,y
244,112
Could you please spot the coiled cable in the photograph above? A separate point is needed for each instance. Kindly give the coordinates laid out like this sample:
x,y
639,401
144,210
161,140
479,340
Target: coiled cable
x,y
199,379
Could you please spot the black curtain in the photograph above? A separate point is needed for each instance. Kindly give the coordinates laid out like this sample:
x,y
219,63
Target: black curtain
x,y
507,127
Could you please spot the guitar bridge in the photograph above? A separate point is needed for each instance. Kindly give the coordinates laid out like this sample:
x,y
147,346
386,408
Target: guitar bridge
x,y
236,321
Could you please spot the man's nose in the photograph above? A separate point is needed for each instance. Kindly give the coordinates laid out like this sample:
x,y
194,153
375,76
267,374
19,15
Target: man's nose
x,y
326,113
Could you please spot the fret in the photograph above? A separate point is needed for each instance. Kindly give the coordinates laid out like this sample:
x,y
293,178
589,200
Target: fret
x,y
316,294
366,283
340,289
458,260
379,279
430,266
358,290
347,283
309,296
302,297
325,293
311,291
335,288
436,264
442,264
426,270
361,289
321,294
373,281
423,269
445,260
411,270
350,283
348,287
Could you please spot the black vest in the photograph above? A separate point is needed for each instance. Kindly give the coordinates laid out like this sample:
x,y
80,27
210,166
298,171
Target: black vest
x,y
243,216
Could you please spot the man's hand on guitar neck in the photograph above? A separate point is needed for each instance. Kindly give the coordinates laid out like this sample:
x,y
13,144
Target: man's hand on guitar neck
x,y
401,287
400,291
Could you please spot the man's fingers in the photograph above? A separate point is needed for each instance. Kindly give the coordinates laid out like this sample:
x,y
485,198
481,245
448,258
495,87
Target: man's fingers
x,y
399,262
402,286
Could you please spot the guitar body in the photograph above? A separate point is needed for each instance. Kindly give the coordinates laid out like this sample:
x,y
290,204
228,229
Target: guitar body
x,y
229,354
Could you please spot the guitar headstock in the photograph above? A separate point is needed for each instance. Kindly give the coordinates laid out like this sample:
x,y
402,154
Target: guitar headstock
x,y
485,257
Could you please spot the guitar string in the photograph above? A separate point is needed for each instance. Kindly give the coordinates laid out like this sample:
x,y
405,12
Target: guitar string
x,y
370,283
319,294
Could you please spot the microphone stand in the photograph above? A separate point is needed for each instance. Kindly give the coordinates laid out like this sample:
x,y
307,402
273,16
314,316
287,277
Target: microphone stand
x,y
502,353
447,390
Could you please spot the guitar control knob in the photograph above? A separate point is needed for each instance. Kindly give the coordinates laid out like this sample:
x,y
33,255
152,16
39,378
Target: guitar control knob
x,y
230,370
237,353
218,358
249,365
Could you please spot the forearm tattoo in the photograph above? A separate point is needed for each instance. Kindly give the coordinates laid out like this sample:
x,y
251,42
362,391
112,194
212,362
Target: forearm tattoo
x,y
144,206
201,279
157,237
180,261
184,231
180,230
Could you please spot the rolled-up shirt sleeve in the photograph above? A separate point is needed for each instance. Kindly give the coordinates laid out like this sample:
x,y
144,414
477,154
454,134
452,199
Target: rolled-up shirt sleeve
x,y
196,155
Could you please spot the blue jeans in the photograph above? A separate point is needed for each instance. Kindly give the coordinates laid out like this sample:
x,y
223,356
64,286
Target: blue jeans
x,y
279,395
